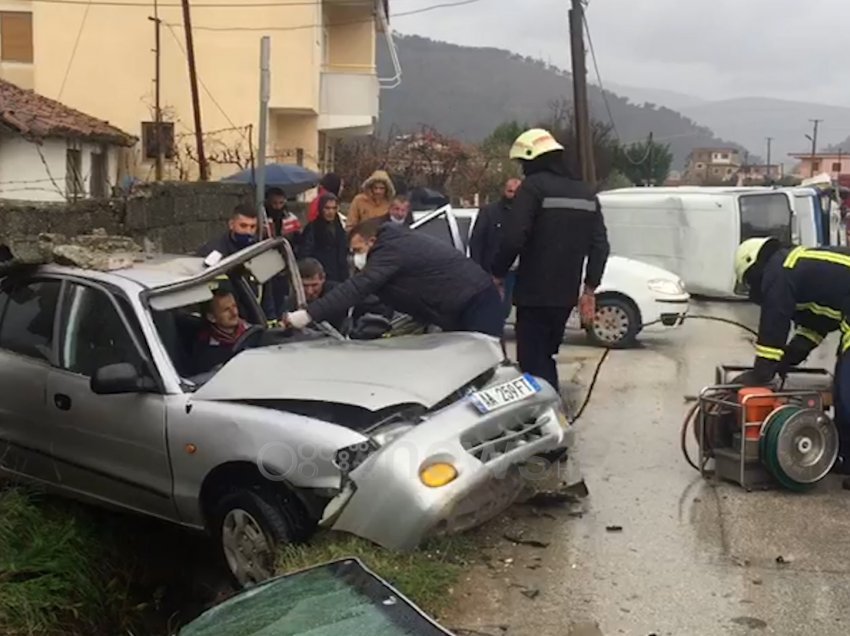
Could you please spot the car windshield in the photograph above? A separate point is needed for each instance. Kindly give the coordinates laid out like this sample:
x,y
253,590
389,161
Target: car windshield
x,y
200,336
337,598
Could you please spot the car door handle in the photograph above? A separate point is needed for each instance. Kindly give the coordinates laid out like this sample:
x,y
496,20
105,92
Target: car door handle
x,y
62,402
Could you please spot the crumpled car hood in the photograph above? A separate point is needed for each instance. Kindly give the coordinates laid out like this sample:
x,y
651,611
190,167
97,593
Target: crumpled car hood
x,y
370,374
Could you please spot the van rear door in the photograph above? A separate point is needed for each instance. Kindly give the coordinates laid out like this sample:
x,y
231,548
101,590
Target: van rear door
x,y
766,215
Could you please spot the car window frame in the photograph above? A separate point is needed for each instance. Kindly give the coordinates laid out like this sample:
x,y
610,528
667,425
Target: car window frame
x,y
137,335
450,220
28,279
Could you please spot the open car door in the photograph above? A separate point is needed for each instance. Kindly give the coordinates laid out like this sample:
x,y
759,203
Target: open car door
x,y
342,598
442,225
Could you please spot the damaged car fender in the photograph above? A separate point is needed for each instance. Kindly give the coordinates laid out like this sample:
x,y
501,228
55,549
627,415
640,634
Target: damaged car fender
x,y
286,448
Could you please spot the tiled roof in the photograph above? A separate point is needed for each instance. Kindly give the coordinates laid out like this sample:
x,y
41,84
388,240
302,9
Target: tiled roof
x,y
36,117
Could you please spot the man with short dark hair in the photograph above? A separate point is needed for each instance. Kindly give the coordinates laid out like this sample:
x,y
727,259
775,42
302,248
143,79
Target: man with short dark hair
x,y
222,330
414,274
486,238
241,233
281,222
317,285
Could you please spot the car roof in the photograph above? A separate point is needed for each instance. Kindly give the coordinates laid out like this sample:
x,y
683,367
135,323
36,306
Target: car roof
x,y
157,270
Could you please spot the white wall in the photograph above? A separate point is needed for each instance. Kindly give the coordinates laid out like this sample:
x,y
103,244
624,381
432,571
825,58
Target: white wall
x,y
32,172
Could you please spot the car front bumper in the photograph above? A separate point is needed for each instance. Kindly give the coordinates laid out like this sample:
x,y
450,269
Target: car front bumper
x,y
384,500
665,312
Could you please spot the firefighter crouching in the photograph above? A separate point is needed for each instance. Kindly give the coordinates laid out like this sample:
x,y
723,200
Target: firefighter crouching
x,y
807,286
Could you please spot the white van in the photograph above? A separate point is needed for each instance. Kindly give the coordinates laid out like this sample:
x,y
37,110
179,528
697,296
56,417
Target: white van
x,y
695,231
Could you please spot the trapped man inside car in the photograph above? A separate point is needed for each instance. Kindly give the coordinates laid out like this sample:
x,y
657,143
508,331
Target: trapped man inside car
x,y
223,328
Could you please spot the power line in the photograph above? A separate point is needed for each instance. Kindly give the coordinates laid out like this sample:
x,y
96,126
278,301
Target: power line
x,y
607,103
201,5
203,85
74,50
599,76
299,27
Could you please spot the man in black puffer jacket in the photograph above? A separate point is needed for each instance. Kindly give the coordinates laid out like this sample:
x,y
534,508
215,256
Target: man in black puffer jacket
x,y
416,275
557,231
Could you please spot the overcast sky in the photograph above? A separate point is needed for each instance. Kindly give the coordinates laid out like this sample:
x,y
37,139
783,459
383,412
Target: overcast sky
x,y
714,49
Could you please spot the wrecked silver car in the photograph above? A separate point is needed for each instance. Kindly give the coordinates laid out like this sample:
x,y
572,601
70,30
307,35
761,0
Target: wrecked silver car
x,y
395,440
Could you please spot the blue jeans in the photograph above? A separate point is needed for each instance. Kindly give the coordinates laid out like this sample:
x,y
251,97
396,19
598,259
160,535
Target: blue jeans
x,y
483,314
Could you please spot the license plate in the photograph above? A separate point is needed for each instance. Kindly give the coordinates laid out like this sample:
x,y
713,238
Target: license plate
x,y
496,397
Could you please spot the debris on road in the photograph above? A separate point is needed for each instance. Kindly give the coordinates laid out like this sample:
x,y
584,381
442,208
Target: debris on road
x,y
614,528
531,593
518,540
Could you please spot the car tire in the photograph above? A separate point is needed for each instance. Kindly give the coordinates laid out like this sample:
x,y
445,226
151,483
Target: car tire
x,y
617,323
249,524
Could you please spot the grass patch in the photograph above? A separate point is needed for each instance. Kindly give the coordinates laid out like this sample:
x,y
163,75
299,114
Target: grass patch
x,y
425,576
60,573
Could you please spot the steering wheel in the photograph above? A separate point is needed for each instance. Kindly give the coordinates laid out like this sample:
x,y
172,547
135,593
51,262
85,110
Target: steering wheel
x,y
250,338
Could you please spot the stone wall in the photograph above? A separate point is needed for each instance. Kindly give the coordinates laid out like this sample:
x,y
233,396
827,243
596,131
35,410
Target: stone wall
x,y
169,217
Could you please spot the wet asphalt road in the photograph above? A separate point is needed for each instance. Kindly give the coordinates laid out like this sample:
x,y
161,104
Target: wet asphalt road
x,y
693,557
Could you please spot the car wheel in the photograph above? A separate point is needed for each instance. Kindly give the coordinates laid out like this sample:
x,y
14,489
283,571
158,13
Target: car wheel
x,y
617,323
249,527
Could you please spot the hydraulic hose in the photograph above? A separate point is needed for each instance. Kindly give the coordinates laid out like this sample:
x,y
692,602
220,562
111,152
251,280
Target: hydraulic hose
x,y
607,351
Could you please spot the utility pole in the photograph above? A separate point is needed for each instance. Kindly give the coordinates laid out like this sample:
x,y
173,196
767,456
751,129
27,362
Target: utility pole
x,y
814,138
650,180
265,95
581,109
768,178
160,151
193,82
769,148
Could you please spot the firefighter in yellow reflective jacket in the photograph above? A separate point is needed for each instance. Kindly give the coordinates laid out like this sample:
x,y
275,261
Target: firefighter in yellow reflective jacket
x,y
808,286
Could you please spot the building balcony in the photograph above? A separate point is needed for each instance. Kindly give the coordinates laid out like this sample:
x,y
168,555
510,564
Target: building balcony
x,y
348,101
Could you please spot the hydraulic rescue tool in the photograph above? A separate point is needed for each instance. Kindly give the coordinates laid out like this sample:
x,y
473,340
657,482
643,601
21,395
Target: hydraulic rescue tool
x,y
759,437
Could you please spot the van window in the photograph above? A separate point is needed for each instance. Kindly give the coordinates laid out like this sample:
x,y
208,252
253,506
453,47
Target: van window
x,y
765,215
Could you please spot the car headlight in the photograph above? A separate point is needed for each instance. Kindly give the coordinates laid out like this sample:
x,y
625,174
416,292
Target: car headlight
x,y
438,474
666,286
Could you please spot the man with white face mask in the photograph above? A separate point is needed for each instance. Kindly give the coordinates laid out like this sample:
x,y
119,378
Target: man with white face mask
x,y
415,274
399,211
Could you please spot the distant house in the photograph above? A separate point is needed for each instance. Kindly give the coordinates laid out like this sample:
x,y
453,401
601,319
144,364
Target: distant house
x,y
707,165
835,164
51,152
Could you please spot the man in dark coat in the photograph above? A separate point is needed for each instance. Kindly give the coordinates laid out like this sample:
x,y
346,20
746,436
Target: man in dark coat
x,y
487,238
555,228
241,233
414,274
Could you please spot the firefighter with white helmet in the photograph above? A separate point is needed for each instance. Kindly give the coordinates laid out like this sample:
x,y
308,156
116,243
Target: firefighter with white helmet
x,y
811,288
556,229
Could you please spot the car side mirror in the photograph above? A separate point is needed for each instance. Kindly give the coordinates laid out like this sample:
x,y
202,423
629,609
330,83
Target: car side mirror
x,y
121,378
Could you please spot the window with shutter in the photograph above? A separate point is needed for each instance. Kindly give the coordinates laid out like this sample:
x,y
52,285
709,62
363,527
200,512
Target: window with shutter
x,y
16,37
73,174
99,178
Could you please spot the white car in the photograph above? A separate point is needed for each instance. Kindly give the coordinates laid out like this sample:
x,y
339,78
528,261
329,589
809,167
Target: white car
x,y
633,297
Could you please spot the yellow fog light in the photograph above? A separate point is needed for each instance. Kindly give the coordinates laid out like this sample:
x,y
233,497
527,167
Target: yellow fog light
x,y
437,475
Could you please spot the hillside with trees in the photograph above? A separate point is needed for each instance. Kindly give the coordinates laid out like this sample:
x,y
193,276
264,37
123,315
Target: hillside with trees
x,y
466,93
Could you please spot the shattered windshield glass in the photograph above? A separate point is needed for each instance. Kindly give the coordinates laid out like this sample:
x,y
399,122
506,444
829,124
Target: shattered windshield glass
x,y
330,600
